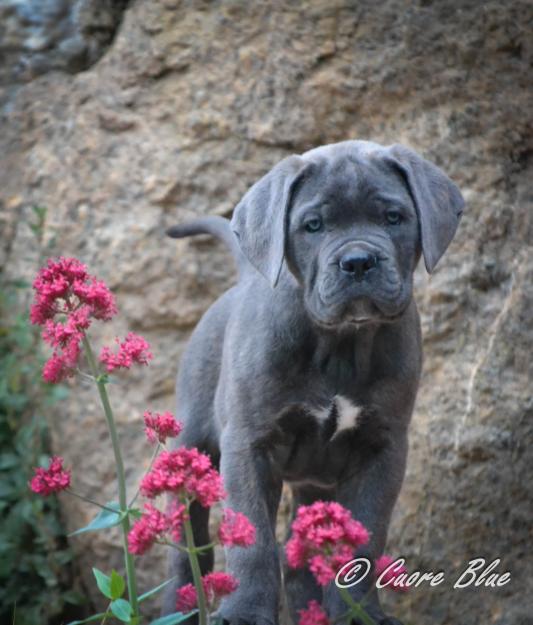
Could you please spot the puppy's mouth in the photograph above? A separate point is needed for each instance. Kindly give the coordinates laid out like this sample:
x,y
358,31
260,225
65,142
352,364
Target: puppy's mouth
x,y
360,312
356,311
360,321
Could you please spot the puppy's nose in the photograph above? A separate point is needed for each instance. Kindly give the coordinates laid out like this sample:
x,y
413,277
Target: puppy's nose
x,y
358,264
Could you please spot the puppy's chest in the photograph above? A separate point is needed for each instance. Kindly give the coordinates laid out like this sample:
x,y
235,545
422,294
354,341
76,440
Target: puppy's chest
x,y
318,431
337,415
334,395
315,440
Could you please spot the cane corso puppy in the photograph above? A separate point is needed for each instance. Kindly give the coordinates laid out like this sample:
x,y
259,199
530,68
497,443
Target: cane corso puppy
x,y
306,371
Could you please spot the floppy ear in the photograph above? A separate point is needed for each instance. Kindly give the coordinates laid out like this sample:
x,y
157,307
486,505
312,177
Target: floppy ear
x,y
438,202
260,219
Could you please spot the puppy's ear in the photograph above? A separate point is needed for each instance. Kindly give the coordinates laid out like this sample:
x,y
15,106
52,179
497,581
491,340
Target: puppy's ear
x,y
438,202
260,219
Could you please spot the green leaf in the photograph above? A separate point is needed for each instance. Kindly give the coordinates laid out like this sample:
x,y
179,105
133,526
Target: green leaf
x,y
73,597
40,211
19,284
57,392
153,591
7,461
117,585
121,609
172,619
94,617
135,513
103,520
103,582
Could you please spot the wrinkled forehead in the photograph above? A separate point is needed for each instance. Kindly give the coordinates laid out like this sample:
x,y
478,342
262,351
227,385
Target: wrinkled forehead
x,y
351,181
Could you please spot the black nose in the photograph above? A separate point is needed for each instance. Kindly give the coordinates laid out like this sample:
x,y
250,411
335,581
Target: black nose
x,y
358,263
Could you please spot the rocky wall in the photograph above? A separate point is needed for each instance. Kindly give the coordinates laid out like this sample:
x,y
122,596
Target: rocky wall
x,y
190,104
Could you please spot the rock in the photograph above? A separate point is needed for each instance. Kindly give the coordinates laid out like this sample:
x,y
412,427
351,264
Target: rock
x,y
39,36
113,122
74,50
193,102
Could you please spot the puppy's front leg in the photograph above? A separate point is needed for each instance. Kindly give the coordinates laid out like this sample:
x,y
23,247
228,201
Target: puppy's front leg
x,y
370,495
253,489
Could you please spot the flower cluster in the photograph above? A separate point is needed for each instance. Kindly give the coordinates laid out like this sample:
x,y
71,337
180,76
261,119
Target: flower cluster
x,y
324,538
133,349
391,574
313,615
159,427
67,300
51,480
153,525
215,585
236,530
65,290
186,473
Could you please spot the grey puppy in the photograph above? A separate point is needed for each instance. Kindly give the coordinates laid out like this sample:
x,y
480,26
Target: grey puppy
x,y
307,370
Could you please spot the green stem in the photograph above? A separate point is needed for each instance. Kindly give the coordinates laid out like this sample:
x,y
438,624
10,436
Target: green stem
x,y
154,455
356,609
342,618
204,548
89,500
195,568
122,497
196,550
102,622
172,545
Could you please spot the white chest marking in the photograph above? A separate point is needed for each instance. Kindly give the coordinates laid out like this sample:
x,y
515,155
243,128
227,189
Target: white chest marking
x,y
347,413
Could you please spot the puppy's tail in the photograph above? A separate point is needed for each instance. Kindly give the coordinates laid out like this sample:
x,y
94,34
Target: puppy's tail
x,y
216,226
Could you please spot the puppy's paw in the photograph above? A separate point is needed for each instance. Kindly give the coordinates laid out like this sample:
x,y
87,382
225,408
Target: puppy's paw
x,y
225,618
383,620
247,621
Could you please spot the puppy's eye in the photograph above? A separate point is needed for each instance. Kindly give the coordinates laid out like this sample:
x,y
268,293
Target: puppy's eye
x,y
393,217
313,225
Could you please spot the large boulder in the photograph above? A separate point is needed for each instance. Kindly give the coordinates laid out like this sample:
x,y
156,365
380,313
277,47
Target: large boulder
x,y
192,102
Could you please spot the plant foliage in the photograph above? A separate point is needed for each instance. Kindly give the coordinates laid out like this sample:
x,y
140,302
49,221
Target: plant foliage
x,y
34,557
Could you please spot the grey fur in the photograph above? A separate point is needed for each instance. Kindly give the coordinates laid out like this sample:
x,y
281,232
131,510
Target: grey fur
x,y
269,371
214,225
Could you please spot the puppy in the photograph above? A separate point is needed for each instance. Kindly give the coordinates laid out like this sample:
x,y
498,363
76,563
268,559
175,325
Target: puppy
x,y
306,371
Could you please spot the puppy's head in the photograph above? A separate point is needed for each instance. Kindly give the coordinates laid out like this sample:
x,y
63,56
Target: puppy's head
x,y
351,221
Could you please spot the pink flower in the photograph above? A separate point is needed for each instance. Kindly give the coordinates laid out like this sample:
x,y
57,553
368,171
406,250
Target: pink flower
x,y
62,363
54,479
313,615
176,515
152,526
146,530
97,296
62,334
325,537
56,369
215,585
64,288
53,283
186,598
390,575
159,427
236,530
186,473
133,349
